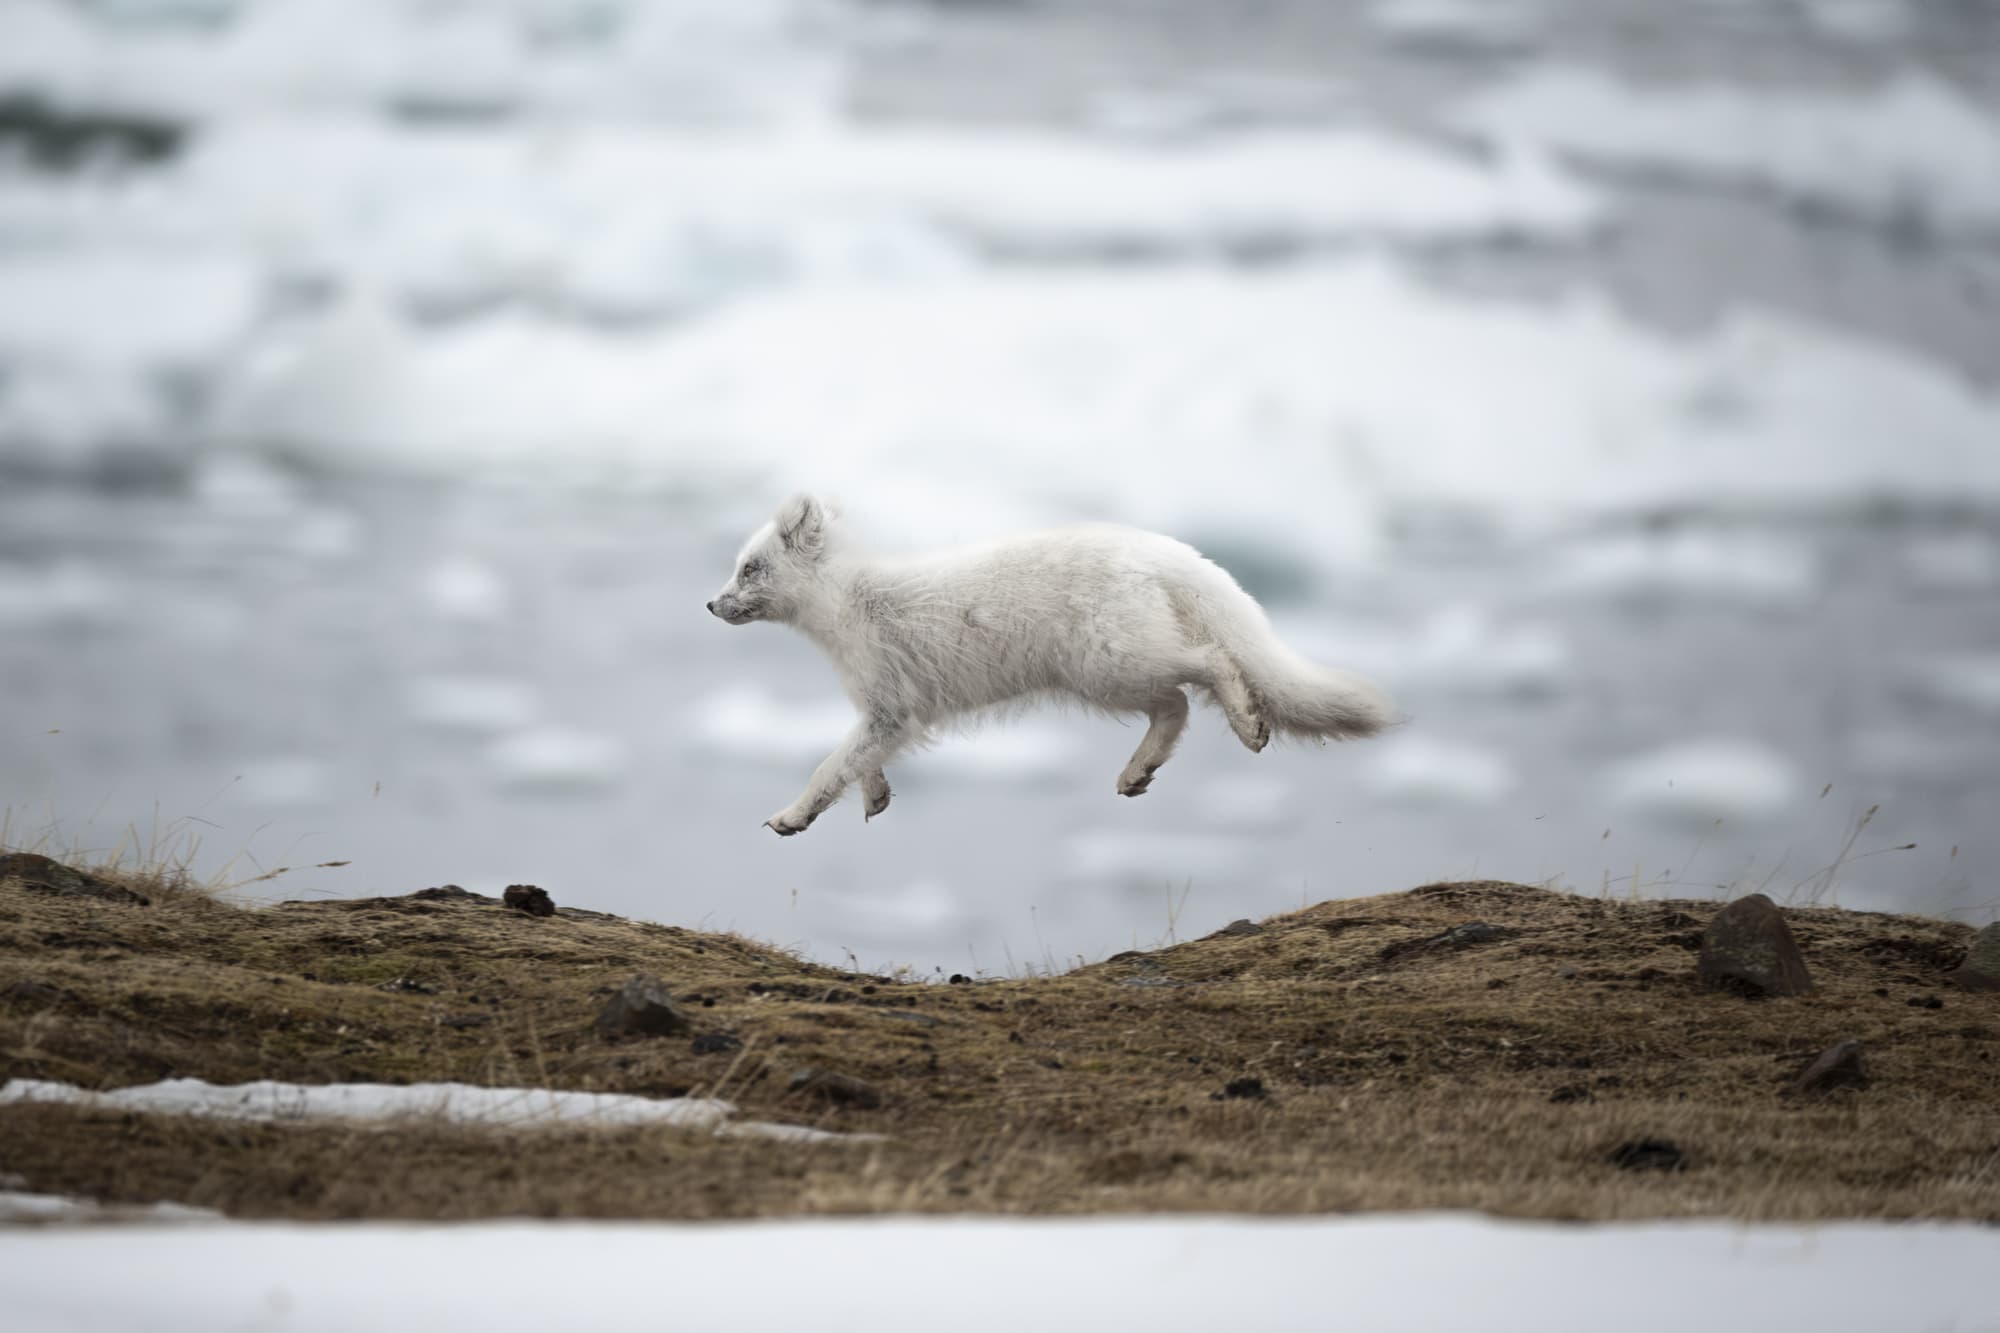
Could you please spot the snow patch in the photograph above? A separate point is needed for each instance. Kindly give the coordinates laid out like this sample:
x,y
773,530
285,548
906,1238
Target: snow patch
x,y
1161,1274
451,1103
20,1206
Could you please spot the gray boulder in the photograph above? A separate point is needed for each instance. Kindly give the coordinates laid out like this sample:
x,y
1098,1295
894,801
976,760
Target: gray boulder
x,y
1749,948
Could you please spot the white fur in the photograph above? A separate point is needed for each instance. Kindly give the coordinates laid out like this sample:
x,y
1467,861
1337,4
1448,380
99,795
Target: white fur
x,y
1118,618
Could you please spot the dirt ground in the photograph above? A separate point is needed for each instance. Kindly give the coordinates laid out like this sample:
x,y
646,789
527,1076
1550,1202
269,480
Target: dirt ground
x,y
1348,1056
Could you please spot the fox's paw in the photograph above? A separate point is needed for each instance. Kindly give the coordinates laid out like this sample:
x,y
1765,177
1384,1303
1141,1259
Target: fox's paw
x,y
874,796
1136,784
785,823
1253,731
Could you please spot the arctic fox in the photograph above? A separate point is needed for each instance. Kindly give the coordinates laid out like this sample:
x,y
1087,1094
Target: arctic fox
x,y
1116,617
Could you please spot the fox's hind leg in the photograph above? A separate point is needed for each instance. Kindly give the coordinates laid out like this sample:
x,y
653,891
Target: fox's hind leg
x,y
1225,681
1168,715
874,793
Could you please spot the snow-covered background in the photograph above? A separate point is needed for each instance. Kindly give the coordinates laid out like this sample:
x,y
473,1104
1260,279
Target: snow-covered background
x,y
385,384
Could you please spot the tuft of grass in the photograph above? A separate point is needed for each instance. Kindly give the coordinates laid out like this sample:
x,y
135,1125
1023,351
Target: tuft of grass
x,y
1401,1071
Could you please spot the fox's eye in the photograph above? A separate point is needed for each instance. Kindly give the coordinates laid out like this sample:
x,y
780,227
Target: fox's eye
x,y
751,569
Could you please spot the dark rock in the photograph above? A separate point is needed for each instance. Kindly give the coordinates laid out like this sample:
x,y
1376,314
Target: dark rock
x,y
714,1043
959,979
39,993
1572,1092
1838,1066
1242,1089
1239,927
446,893
43,875
1648,1155
527,898
1924,1002
843,1089
1981,968
1749,948
642,1005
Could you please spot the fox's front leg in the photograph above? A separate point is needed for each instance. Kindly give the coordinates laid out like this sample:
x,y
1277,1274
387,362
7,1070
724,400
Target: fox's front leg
x,y
859,755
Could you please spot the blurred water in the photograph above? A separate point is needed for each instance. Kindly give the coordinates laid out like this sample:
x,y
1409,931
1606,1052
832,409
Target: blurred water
x,y
366,453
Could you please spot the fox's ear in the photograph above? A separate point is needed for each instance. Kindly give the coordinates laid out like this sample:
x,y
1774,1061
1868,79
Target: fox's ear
x,y
801,525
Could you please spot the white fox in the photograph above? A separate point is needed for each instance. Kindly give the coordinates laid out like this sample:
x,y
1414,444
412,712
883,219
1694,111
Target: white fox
x,y
1116,617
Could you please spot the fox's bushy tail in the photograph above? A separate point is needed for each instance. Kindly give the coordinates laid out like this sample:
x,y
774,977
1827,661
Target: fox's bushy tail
x,y
1296,696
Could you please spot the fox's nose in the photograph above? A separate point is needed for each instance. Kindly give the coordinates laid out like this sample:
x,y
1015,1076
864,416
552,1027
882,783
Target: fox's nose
x,y
711,608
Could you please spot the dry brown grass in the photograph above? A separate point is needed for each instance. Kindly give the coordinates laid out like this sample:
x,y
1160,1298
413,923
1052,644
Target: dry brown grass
x,y
1398,1075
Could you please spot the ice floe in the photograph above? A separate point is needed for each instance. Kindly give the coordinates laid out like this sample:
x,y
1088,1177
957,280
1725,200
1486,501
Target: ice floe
x,y
555,759
1697,782
480,705
1555,414
1424,770
1969,683
1914,151
747,722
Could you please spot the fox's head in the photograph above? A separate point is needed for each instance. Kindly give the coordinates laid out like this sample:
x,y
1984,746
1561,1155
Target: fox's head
x,y
778,568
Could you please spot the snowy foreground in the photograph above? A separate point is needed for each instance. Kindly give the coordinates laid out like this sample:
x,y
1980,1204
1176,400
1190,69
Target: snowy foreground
x,y
1380,1273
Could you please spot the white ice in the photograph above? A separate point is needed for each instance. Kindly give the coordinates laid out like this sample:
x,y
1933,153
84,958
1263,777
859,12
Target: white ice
x,y
1914,150
1968,683
1698,781
1429,770
1554,414
553,759
1408,1273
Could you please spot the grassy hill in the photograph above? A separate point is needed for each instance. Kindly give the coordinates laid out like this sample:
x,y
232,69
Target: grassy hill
x,y
1358,1054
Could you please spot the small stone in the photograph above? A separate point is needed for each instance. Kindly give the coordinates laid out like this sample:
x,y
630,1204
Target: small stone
x,y
44,875
1838,1066
1649,1155
1924,1002
1749,948
642,1005
1567,972
959,979
1239,927
1241,1089
714,1043
1981,968
844,1089
527,898
1572,1092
